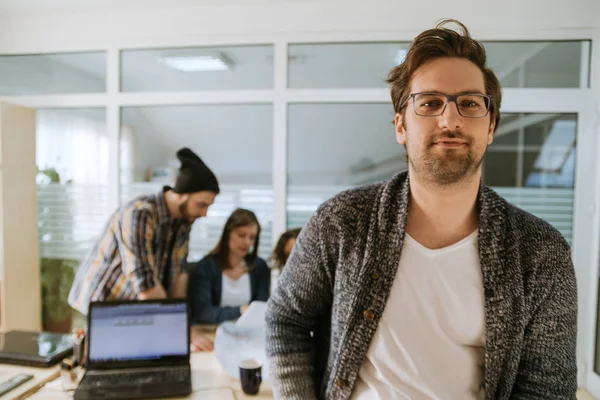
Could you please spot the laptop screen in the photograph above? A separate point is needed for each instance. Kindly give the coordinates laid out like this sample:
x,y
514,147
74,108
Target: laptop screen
x,y
137,331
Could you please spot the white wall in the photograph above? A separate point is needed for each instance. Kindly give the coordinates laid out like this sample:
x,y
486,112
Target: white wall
x,y
99,28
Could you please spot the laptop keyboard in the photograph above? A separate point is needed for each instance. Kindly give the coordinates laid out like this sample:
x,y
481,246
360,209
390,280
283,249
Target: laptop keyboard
x,y
126,378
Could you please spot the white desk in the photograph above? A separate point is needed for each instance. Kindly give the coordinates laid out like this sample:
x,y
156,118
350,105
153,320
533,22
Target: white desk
x,y
40,377
208,382
207,375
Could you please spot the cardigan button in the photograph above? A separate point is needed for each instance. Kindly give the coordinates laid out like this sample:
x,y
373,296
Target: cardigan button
x,y
340,383
375,275
369,315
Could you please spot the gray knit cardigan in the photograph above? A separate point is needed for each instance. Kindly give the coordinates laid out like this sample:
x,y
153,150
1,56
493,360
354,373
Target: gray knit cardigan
x,y
324,312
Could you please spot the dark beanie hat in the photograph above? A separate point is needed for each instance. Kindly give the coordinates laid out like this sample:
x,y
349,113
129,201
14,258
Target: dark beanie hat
x,y
194,175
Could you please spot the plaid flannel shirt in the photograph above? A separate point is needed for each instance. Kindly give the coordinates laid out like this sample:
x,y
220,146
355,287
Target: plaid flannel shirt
x,y
140,245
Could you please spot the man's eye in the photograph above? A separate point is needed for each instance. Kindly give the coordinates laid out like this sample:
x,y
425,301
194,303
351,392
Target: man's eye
x,y
430,104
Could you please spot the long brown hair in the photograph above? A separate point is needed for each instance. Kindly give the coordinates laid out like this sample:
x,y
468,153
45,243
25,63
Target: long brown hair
x,y
443,42
278,258
239,217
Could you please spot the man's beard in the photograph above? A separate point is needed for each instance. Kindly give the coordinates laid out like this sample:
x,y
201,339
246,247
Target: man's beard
x,y
185,215
449,167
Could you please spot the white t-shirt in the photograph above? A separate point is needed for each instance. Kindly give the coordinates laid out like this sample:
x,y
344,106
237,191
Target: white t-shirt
x,y
430,341
235,293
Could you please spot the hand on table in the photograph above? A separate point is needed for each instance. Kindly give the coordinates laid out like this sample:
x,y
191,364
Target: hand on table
x,y
200,342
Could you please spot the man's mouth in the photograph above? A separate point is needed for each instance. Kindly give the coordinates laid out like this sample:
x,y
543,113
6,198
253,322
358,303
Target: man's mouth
x,y
450,143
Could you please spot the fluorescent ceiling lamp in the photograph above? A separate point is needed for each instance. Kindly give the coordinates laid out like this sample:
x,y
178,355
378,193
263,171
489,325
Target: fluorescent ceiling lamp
x,y
195,63
400,56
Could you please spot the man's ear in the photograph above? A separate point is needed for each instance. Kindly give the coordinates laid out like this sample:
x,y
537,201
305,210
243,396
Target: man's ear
x,y
182,197
491,131
399,127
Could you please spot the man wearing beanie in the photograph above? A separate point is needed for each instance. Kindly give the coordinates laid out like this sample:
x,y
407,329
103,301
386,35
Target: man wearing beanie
x,y
142,252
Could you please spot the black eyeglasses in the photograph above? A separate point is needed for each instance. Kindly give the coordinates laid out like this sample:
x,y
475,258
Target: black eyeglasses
x,y
469,105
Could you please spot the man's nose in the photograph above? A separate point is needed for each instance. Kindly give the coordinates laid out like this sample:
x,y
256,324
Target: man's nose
x,y
451,118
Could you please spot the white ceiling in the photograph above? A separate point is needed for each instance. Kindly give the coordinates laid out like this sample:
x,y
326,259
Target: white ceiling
x,y
251,68
325,141
228,136
54,73
36,6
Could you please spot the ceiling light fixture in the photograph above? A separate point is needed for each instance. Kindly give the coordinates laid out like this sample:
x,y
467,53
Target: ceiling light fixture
x,y
197,63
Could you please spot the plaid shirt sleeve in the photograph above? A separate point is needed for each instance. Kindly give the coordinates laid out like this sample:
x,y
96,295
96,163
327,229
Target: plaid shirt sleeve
x,y
137,257
182,250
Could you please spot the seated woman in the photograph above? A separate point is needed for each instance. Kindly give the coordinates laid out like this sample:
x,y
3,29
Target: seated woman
x,y
231,276
284,247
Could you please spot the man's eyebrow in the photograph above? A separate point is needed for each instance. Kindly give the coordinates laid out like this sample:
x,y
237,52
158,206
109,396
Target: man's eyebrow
x,y
470,91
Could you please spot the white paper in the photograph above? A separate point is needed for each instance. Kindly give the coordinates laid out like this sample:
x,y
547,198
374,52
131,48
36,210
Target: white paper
x,y
254,316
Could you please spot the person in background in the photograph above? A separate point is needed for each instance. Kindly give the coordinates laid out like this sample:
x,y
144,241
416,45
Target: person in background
x,y
143,250
231,276
284,247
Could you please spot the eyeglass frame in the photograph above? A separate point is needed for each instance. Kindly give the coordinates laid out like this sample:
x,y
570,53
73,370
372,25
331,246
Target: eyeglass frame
x,y
449,98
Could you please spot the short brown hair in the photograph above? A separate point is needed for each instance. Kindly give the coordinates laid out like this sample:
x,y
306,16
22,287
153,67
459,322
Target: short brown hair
x,y
443,42
239,217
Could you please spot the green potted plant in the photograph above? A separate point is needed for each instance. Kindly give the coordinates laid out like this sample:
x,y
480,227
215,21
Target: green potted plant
x,y
56,275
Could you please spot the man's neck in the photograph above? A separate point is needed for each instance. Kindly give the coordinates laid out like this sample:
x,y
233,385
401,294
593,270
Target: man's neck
x,y
172,204
440,216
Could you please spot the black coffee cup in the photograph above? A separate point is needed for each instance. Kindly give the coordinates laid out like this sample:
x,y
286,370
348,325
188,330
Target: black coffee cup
x,y
250,376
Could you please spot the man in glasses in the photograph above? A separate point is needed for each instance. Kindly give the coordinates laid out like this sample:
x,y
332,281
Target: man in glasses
x,y
430,285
